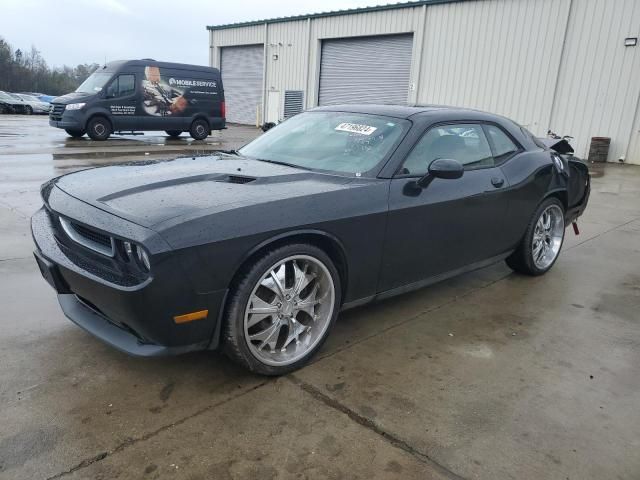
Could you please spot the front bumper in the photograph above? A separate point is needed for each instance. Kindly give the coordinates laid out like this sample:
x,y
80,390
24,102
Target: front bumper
x,y
136,319
71,119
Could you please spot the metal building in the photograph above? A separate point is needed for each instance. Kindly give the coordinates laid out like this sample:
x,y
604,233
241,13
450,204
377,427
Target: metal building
x,y
572,66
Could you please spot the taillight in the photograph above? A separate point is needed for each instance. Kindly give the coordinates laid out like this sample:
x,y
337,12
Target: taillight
x,y
223,109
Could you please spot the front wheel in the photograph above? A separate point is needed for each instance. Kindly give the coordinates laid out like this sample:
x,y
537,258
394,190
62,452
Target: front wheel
x,y
28,110
99,128
542,241
200,129
281,309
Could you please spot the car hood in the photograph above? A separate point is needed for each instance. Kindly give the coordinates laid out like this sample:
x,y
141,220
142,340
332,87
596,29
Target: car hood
x,y
149,193
73,97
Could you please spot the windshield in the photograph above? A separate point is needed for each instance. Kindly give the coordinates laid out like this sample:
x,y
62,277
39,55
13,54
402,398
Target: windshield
x,y
28,98
5,96
334,141
16,97
94,83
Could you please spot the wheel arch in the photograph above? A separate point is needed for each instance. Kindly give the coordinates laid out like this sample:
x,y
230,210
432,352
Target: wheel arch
x,y
325,241
200,116
95,115
561,194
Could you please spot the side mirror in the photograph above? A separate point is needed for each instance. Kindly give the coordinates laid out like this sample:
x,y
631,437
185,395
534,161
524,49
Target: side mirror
x,y
445,168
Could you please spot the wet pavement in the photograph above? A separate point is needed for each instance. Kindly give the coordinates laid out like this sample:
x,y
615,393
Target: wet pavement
x,y
490,375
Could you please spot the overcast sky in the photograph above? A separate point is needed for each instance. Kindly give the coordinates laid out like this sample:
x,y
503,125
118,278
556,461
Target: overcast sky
x,y
75,31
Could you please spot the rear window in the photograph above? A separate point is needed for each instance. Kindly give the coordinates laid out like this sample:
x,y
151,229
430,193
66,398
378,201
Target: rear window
x,y
533,138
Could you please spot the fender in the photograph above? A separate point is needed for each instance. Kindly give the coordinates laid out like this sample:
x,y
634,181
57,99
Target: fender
x,y
93,111
290,234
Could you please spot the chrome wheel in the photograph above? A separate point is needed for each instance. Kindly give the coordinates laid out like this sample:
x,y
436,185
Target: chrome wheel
x,y
547,236
289,310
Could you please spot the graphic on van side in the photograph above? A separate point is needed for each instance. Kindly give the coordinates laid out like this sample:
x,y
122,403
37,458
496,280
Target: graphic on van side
x,y
165,95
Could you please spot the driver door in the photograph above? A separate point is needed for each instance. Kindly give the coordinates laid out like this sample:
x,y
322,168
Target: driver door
x,y
450,224
122,102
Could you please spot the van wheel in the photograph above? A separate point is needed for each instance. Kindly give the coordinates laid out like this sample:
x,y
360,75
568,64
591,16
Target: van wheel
x,y
200,129
174,133
99,128
74,133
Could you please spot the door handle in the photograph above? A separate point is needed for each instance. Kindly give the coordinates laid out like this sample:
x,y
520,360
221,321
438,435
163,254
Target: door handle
x,y
497,182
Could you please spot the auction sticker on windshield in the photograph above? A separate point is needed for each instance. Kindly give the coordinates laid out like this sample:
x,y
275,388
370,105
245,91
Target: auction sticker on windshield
x,y
356,128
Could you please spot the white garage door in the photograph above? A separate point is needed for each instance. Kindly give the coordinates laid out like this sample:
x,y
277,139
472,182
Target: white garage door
x,y
365,70
241,69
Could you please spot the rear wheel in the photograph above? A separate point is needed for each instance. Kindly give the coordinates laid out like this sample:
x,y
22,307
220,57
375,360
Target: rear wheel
x,y
174,133
200,129
540,247
99,128
74,133
281,309
28,110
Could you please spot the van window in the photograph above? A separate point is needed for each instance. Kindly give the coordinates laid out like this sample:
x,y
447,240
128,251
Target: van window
x,y
122,85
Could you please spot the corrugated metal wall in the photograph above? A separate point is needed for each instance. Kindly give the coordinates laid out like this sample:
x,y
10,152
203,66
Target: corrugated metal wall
x,y
496,55
599,80
558,64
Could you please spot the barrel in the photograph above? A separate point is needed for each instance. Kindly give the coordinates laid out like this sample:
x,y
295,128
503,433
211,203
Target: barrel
x,y
599,149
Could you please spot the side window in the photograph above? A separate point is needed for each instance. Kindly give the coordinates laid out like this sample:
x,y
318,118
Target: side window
x,y
466,143
503,146
122,85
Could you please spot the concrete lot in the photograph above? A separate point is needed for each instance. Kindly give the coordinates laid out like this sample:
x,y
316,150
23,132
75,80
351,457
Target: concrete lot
x,y
490,375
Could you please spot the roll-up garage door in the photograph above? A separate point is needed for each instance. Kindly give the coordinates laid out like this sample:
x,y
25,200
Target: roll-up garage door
x,y
241,69
365,70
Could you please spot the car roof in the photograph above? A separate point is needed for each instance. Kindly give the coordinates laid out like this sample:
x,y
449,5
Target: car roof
x,y
407,111
146,62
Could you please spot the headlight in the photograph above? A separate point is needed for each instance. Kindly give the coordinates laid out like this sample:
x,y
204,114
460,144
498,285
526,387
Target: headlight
x,y
75,106
138,255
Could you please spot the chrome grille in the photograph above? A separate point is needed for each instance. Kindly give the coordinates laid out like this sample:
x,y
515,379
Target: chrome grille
x,y
88,237
56,111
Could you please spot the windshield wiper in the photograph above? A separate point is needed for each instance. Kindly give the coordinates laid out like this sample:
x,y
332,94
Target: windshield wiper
x,y
228,152
285,164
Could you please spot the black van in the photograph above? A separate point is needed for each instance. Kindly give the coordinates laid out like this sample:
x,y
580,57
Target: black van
x,y
134,95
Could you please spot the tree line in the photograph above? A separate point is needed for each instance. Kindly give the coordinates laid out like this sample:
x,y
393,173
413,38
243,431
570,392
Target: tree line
x,y
28,72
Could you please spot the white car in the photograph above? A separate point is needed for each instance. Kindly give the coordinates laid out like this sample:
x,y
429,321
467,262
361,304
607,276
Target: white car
x,y
33,104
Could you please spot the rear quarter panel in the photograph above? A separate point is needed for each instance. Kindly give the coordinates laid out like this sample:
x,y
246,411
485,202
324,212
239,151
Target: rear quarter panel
x,y
532,177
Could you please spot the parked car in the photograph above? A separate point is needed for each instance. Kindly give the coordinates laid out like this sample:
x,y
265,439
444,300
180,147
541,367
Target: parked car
x,y
11,104
135,95
25,107
33,104
258,250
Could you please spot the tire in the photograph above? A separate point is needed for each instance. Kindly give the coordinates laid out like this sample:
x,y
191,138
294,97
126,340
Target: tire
x,y
28,110
200,129
540,247
74,133
99,128
173,133
296,324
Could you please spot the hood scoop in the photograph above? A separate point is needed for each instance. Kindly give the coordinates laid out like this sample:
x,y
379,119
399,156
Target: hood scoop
x,y
236,179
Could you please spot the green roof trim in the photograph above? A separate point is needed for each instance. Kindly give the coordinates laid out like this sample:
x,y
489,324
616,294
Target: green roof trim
x,y
334,13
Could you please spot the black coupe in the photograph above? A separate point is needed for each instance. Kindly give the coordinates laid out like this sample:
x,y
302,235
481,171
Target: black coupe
x,y
257,251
